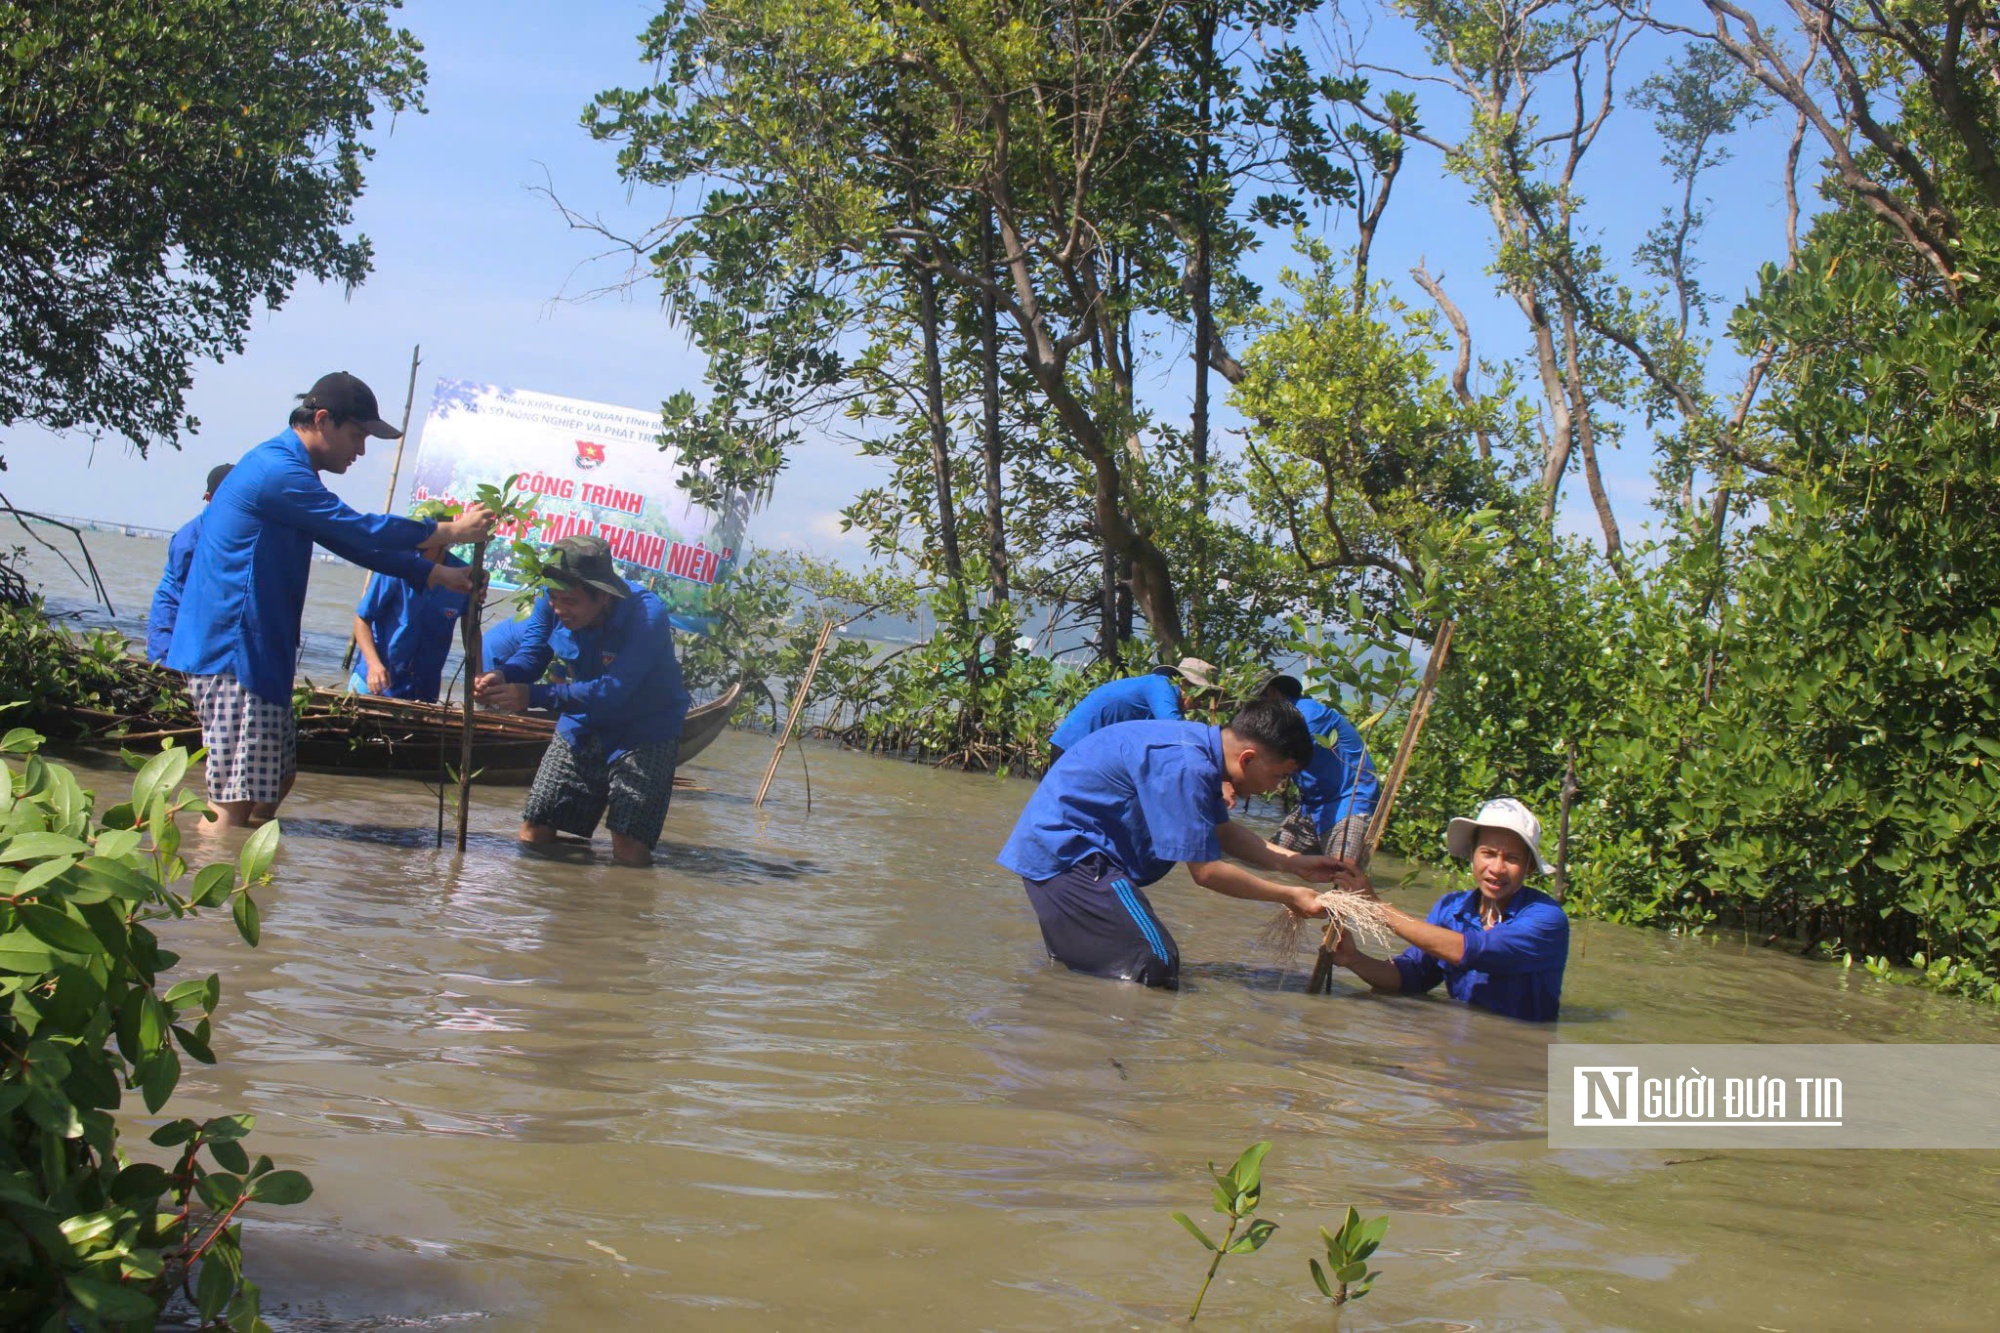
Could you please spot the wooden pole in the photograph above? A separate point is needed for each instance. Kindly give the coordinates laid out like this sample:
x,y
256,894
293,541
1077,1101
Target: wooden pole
x,y
1569,793
798,711
395,471
1321,982
471,673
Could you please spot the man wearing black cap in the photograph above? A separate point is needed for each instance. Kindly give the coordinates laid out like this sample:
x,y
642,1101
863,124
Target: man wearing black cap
x,y
1337,790
237,635
180,554
620,706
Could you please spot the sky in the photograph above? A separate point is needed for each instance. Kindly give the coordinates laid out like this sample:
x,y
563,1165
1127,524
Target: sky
x,y
482,271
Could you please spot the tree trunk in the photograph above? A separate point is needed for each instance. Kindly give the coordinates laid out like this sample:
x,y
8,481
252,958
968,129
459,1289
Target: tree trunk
x,y
1124,582
1107,605
989,375
947,504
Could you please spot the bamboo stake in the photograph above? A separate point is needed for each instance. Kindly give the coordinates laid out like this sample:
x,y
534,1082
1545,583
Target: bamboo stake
x,y
798,711
395,471
471,672
1321,982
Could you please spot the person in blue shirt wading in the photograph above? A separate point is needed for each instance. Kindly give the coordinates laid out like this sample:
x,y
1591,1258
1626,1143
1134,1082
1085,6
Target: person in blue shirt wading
x,y
1337,790
180,554
1160,695
404,629
618,734
237,634
1499,945
1130,801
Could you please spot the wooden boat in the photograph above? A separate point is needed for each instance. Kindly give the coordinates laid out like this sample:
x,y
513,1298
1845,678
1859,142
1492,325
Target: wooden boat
x,y
368,736
360,733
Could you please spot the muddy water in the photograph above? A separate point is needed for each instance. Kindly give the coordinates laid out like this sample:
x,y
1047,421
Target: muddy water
x,y
813,1071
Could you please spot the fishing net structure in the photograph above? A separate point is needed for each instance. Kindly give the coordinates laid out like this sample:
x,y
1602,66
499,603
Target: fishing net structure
x,y
1362,919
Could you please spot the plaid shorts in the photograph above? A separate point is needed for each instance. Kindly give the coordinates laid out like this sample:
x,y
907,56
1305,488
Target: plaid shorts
x,y
574,787
253,744
1347,839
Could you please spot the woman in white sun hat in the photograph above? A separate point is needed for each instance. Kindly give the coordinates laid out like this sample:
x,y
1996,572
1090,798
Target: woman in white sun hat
x,y
1499,945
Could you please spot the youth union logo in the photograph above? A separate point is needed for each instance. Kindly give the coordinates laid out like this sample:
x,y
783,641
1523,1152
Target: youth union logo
x,y
1606,1096
589,455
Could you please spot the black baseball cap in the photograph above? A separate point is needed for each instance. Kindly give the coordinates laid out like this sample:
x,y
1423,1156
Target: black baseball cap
x,y
1288,686
215,476
584,560
348,399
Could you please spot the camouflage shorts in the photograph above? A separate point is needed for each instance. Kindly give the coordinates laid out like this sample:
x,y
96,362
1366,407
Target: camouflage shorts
x,y
575,787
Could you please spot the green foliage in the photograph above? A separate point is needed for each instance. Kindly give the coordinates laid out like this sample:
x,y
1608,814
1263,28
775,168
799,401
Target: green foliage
x,y
89,1238
1346,1276
1360,448
46,668
516,554
167,170
1238,1191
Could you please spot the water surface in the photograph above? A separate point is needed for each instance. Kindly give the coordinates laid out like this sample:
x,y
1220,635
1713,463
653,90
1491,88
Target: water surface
x,y
813,1070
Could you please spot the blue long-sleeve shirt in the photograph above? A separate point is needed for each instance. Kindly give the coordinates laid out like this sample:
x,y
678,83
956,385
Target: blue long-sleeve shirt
x,y
414,626
1137,699
1340,780
624,683
1514,968
167,597
246,589
499,640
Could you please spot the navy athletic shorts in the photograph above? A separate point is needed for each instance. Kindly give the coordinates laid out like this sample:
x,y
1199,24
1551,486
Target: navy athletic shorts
x,y
1096,921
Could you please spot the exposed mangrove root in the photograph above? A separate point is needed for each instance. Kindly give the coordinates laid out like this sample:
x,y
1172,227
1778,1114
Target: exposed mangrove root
x,y
1364,919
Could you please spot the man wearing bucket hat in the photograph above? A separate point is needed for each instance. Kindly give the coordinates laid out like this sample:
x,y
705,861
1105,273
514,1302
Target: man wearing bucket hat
x,y
1160,695
1499,945
619,710
166,606
1337,790
236,637
404,629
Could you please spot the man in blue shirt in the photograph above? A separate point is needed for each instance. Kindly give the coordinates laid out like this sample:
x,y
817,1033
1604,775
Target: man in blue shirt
x,y
1499,945
180,554
237,634
1128,803
1160,695
1337,790
403,630
620,709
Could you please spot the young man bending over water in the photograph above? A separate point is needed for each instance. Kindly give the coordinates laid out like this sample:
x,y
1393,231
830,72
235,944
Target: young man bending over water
x,y
621,705
1337,789
1499,945
1128,803
1161,695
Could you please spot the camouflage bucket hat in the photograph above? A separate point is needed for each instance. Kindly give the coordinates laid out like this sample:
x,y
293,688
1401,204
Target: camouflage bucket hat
x,y
584,561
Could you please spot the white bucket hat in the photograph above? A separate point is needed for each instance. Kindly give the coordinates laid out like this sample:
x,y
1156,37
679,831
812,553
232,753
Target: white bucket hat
x,y
1197,673
1461,835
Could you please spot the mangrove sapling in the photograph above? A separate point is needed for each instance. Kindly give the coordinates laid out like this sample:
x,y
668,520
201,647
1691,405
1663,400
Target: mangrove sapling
x,y
514,512
1346,1276
1237,1193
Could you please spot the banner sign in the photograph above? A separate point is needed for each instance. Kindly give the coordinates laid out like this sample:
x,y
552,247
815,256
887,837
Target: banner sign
x,y
592,468
1774,1096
